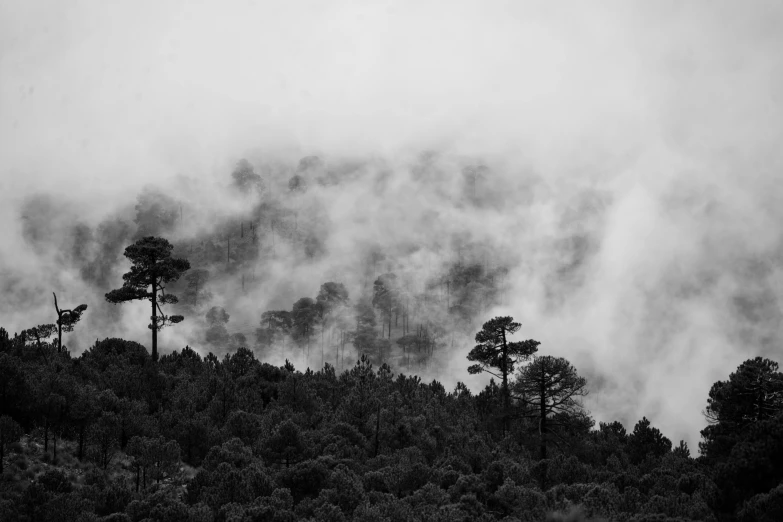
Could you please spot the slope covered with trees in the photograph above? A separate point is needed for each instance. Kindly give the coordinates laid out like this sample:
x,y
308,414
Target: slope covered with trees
x,y
115,434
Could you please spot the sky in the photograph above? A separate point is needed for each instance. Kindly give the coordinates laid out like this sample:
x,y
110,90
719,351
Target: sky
x,y
634,146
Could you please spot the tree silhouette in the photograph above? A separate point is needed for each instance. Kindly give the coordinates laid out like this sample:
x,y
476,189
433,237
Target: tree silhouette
x,y
550,388
152,268
66,320
754,392
494,350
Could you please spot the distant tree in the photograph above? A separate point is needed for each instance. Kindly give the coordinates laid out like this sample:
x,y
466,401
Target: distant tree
x,y
407,342
332,298
245,178
275,327
365,334
66,320
237,340
297,183
156,213
385,296
495,351
196,280
333,295
550,391
217,315
152,268
304,315
217,333
308,163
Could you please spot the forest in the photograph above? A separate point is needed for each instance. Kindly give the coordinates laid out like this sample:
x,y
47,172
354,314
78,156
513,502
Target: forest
x,y
328,409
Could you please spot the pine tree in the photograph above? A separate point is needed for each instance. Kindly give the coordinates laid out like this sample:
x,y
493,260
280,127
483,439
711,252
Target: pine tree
x,y
152,268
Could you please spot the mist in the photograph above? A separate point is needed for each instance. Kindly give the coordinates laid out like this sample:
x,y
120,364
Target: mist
x,y
631,156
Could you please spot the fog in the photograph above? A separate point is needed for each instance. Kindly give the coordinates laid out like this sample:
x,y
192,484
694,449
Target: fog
x,y
632,151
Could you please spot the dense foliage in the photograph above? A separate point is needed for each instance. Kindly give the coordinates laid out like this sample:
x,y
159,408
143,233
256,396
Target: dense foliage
x,y
115,435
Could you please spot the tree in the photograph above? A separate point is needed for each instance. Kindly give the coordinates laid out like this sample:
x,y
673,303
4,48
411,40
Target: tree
x,y
39,334
156,213
297,183
10,432
647,440
385,296
275,326
196,280
550,391
66,320
217,318
152,270
494,350
753,393
245,177
331,299
365,335
153,457
303,317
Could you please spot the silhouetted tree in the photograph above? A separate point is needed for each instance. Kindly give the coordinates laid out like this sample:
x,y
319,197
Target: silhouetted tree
x,y
647,440
754,392
152,268
66,320
494,350
550,391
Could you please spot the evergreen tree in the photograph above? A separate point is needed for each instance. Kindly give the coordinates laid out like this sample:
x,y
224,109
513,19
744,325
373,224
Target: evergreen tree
x,y
495,351
152,270
66,320
550,389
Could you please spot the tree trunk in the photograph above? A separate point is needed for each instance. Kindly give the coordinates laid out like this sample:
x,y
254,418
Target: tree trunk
x,y
154,324
82,429
46,435
504,369
542,424
377,429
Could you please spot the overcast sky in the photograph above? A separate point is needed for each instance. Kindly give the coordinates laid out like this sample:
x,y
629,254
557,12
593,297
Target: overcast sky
x,y
671,110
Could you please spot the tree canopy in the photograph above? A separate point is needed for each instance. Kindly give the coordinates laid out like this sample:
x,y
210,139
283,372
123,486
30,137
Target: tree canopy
x,y
152,269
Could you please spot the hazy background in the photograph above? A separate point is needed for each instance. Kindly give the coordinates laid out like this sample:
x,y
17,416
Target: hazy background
x,y
635,151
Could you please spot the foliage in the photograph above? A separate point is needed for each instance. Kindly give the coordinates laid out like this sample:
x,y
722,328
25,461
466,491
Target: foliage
x,y
233,438
152,268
